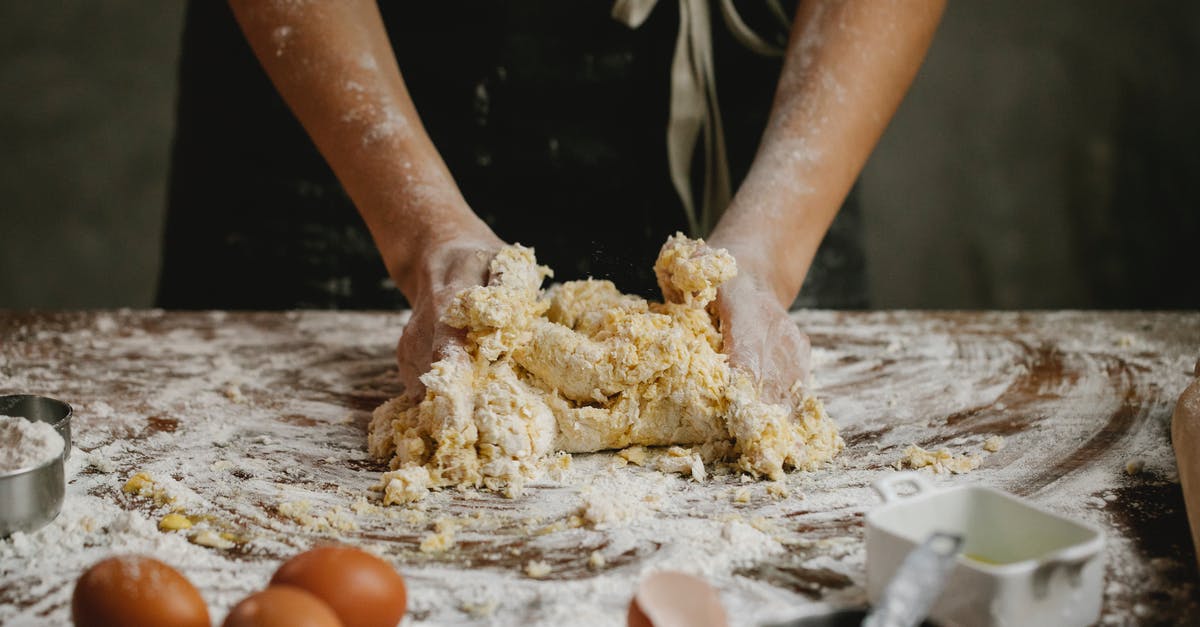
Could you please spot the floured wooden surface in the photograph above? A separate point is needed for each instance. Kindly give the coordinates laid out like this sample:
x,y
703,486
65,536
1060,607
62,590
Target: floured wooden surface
x,y
254,426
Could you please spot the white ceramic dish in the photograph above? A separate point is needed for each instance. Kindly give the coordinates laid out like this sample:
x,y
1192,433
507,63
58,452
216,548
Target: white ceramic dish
x,y
1021,565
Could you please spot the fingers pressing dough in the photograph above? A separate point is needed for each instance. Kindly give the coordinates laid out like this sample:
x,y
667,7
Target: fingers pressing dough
x,y
582,367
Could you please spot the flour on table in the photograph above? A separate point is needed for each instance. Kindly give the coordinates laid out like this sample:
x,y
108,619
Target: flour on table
x,y
437,541
604,509
582,367
315,519
316,364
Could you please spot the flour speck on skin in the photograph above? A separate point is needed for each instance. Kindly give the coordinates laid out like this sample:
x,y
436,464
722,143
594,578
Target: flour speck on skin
x,y
27,443
280,36
390,123
367,62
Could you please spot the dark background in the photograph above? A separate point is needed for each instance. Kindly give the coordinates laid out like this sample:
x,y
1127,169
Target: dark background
x,y
1045,157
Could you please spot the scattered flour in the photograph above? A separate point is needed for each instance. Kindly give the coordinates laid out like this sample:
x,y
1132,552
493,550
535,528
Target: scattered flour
x,y
226,466
603,509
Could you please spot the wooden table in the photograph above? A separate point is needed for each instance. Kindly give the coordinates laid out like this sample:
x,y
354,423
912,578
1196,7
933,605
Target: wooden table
x,y
255,425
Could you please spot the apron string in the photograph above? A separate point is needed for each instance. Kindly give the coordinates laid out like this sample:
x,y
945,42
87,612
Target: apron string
x,y
694,107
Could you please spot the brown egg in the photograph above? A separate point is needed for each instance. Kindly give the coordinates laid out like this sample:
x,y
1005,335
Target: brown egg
x,y
667,599
363,590
281,606
136,591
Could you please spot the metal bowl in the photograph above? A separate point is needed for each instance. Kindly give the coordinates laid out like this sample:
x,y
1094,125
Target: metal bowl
x,y
32,497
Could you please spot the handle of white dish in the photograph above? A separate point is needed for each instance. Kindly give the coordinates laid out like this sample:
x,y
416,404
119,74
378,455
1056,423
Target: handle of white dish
x,y
887,486
1072,560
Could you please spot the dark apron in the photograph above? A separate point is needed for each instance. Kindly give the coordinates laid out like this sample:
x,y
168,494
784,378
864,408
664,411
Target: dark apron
x,y
550,115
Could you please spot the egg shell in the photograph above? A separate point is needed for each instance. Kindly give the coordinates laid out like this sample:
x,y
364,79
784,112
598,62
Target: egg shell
x,y
282,606
136,591
671,599
362,589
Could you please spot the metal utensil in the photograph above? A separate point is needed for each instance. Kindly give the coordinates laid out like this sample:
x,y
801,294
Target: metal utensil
x,y
917,583
847,617
908,596
32,497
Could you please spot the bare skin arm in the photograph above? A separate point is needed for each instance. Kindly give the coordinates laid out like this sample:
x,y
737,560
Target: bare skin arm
x,y
846,69
334,66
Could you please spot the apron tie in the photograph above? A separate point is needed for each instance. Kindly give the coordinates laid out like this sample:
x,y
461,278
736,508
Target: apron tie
x,y
694,107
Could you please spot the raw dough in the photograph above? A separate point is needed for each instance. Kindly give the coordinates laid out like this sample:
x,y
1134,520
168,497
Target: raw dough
x,y
582,367
941,460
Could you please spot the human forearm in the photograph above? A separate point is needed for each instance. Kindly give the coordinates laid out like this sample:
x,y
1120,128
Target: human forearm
x,y
333,65
846,69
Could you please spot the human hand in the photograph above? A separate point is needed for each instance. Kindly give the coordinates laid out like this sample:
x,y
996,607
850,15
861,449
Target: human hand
x,y
446,269
760,338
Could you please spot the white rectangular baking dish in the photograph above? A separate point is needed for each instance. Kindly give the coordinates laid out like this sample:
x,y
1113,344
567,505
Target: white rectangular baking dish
x,y
1020,565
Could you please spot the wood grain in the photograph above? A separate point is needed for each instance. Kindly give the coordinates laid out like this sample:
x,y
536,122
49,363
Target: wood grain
x,y
1078,396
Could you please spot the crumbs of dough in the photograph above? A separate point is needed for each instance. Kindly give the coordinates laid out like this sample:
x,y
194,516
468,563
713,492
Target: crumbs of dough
x,y
601,509
405,485
303,513
442,536
233,392
939,461
482,609
437,541
212,539
538,569
144,485
581,367
635,455
174,522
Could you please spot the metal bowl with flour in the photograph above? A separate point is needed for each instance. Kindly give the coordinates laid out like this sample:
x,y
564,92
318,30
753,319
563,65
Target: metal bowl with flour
x,y
31,497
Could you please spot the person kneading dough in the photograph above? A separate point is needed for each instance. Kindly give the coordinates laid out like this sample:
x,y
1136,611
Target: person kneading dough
x,y
585,368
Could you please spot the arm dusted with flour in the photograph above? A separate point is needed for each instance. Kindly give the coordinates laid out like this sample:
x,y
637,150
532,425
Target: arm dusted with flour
x,y
847,66
334,66
846,69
